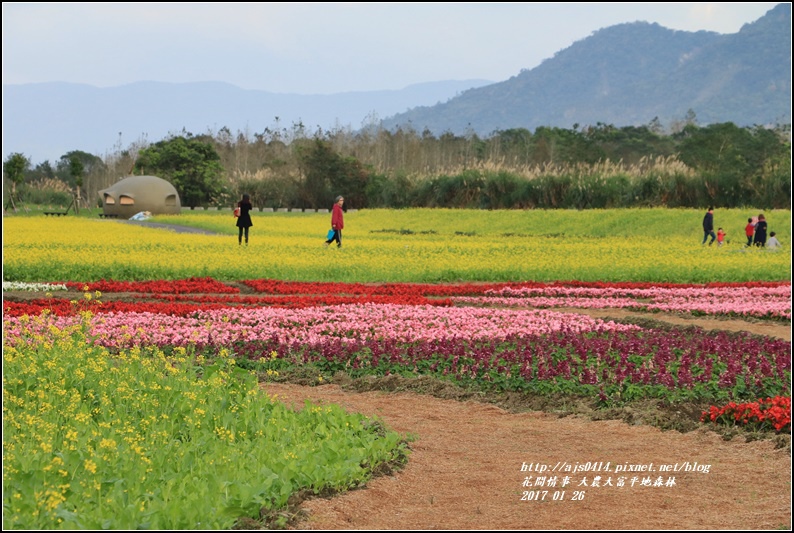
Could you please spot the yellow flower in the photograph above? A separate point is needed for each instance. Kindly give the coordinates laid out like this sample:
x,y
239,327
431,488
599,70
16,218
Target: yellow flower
x,y
108,443
53,499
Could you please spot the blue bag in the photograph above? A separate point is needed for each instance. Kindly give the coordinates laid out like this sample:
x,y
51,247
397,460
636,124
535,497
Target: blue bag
x,y
331,233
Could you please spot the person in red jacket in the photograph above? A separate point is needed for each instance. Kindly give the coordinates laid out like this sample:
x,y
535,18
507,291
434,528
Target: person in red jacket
x,y
337,222
749,231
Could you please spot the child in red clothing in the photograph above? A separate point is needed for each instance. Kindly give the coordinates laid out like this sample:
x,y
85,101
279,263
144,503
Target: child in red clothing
x,y
749,231
720,237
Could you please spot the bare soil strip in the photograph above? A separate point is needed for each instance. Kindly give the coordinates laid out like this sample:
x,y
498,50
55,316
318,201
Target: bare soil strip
x,y
464,472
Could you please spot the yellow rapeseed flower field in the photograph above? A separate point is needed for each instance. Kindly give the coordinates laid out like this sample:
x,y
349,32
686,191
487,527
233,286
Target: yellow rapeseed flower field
x,y
422,245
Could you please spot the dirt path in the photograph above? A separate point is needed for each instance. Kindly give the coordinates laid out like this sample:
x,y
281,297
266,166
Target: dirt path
x,y
171,227
465,472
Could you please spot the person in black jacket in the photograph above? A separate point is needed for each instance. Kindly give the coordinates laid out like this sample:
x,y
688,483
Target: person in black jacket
x,y
244,220
760,231
708,226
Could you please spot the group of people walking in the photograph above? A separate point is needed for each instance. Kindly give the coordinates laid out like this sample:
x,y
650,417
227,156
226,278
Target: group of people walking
x,y
755,231
243,215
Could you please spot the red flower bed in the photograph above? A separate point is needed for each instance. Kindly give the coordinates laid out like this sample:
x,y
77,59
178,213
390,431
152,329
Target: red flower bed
x,y
272,286
179,286
306,301
183,305
774,412
61,307
186,296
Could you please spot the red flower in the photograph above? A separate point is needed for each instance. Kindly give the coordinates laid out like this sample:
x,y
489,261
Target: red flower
x,y
775,412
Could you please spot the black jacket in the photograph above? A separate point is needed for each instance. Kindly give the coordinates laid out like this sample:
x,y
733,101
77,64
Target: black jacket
x,y
244,220
708,222
760,232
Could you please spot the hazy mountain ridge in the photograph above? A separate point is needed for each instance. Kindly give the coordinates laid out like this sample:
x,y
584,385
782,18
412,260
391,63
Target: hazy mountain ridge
x,y
628,74
46,120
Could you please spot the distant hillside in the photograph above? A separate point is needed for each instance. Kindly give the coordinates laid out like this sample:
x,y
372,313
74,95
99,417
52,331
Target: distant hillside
x,y
629,74
46,120
624,75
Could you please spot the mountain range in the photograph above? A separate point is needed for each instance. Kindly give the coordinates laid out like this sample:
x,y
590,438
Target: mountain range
x,y
46,120
631,74
627,74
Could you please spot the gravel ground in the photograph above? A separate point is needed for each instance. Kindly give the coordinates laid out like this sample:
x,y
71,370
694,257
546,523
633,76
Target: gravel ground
x,y
172,227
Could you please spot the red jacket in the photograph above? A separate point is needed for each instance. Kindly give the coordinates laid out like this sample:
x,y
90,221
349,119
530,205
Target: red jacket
x,y
337,219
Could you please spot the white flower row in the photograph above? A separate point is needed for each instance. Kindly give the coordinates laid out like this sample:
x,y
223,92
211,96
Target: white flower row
x,y
33,287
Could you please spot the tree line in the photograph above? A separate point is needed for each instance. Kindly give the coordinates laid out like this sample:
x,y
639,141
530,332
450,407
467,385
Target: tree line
x,y
601,166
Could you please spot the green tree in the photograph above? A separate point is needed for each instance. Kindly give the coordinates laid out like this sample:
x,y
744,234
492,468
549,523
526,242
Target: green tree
x,y
191,165
89,162
731,160
80,170
77,170
559,146
328,174
514,144
43,170
14,168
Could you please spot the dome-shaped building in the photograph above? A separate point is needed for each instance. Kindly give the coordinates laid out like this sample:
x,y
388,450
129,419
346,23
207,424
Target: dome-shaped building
x,y
134,194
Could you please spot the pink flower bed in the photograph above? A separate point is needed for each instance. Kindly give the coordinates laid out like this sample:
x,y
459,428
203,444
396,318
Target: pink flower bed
x,y
772,301
319,324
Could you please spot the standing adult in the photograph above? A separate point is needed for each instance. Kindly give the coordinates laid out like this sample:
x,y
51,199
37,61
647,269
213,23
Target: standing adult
x,y
337,222
244,220
760,231
708,226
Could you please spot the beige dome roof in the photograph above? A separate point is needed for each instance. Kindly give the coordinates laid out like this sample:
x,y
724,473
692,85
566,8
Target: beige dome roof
x,y
134,194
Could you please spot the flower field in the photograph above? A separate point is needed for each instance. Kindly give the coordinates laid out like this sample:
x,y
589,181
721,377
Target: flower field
x,y
768,300
131,355
140,439
469,332
421,245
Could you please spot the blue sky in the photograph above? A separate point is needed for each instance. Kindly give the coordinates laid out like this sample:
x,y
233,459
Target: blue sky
x,y
317,48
